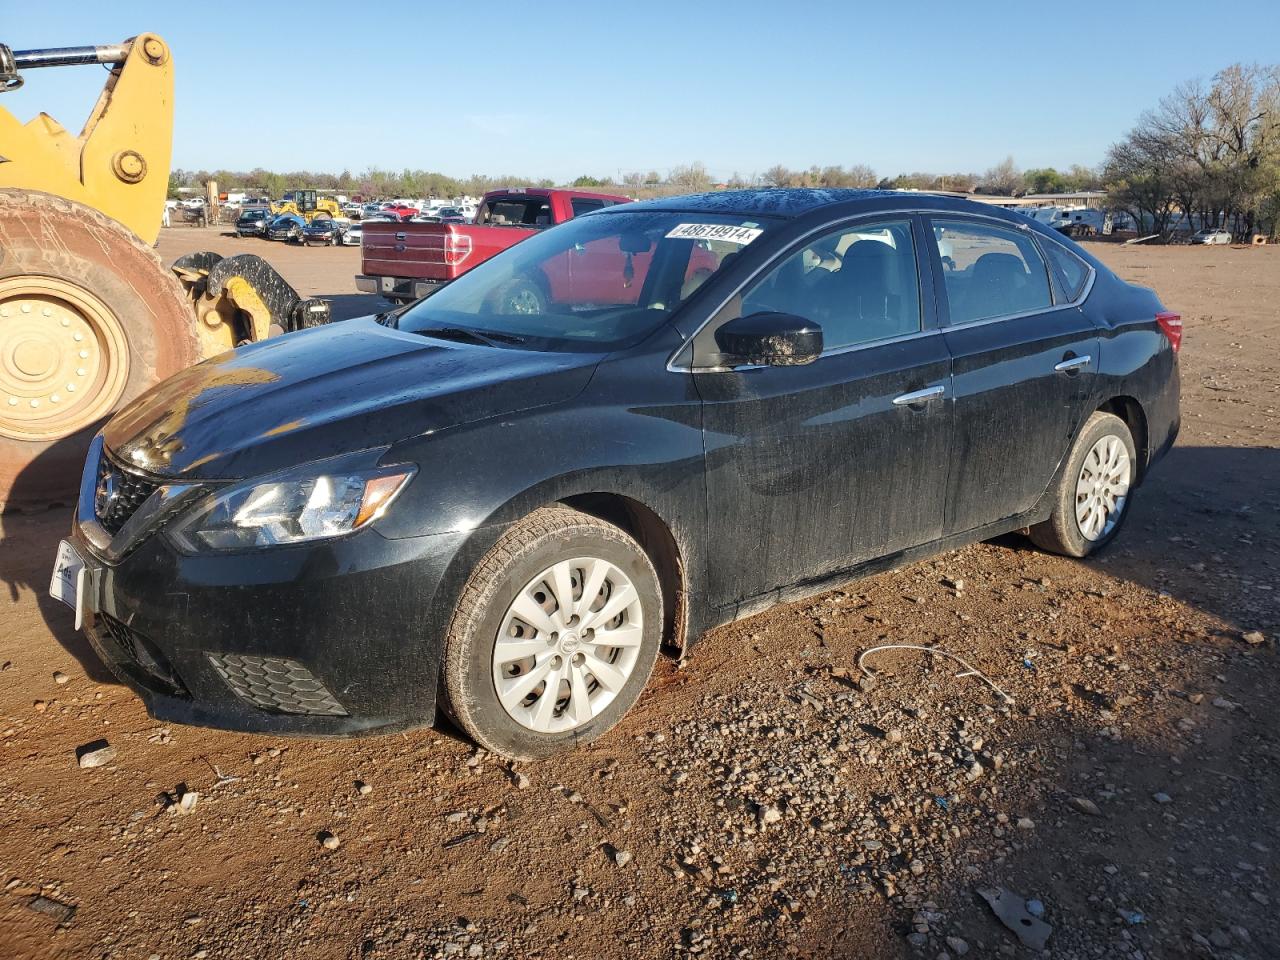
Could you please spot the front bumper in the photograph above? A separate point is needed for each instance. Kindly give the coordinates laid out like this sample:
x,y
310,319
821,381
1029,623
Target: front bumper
x,y
407,288
333,639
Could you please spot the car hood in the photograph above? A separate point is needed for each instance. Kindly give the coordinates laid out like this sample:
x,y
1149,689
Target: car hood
x,y
343,387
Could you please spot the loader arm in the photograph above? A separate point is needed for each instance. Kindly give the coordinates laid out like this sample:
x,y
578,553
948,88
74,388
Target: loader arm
x,y
119,164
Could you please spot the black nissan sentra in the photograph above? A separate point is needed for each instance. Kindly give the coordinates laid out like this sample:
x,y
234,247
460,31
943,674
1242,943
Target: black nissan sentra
x,y
502,501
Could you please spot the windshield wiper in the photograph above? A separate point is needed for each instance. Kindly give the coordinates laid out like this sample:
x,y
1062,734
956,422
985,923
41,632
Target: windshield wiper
x,y
487,338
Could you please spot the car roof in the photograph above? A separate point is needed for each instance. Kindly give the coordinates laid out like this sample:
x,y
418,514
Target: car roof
x,y
790,203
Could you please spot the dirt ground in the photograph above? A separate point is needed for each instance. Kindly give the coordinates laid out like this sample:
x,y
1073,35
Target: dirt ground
x,y
762,800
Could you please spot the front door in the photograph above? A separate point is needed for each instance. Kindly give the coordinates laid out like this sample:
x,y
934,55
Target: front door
x,y
1024,366
811,469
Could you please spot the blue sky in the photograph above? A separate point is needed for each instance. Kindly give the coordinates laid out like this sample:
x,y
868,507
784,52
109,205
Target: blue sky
x,y
558,89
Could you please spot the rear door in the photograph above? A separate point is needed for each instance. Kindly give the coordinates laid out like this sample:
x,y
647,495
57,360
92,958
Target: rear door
x,y
814,468
1025,356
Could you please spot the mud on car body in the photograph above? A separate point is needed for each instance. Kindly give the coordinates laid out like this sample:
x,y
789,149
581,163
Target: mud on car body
x,y
501,506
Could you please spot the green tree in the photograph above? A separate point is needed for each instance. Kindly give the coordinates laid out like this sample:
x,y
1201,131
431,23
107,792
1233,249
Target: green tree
x,y
1044,180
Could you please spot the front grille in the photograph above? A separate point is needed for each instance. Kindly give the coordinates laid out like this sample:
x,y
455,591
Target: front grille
x,y
142,658
118,494
277,685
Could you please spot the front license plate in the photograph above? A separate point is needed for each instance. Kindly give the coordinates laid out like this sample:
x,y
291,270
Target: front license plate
x,y
68,581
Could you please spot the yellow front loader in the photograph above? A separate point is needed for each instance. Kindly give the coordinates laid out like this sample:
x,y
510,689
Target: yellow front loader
x,y
309,206
89,316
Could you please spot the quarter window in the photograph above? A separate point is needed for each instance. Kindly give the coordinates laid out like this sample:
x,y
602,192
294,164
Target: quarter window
x,y
858,283
989,271
1071,271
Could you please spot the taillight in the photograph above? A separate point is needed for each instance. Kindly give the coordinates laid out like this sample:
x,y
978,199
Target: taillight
x,y
457,247
1171,324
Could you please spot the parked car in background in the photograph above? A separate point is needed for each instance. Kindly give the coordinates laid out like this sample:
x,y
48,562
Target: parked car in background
x,y
440,214
286,226
370,210
353,235
322,230
253,222
410,261
726,401
1213,237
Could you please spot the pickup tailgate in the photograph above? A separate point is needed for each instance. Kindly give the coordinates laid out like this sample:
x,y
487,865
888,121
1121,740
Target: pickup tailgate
x,y
433,251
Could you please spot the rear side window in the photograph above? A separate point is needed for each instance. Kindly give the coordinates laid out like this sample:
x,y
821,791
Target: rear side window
x,y
582,205
990,271
1071,272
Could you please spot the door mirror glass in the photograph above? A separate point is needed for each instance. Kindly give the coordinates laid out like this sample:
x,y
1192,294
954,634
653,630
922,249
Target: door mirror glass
x,y
769,339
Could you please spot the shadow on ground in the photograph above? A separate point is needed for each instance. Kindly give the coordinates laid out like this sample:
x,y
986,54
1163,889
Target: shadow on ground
x,y
1199,507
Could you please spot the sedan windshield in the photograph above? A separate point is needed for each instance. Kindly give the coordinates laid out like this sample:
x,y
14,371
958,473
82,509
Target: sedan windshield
x,y
600,281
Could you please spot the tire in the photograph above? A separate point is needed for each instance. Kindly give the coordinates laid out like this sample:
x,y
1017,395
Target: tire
x,y
1064,532
519,296
511,570
110,288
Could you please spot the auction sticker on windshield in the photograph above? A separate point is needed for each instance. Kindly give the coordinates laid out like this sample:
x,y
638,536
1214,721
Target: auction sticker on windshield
x,y
714,231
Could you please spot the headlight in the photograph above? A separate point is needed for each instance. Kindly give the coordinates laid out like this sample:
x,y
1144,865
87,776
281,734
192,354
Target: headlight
x,y
294,509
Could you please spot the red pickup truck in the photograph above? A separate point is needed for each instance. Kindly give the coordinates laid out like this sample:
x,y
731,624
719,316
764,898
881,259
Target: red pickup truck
x,y
406,261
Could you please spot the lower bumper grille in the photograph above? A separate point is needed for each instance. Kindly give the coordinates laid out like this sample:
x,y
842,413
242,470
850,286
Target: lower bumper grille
x,y
276,685
142,657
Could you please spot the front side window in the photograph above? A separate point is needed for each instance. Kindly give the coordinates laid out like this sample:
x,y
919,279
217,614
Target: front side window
x,y
598,282
858,283
990,271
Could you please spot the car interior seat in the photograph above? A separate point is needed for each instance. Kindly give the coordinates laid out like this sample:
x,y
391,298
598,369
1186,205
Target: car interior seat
x,y
1000,286
861,294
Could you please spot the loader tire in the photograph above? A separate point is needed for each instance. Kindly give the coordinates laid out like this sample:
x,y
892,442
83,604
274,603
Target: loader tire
x,y
89,319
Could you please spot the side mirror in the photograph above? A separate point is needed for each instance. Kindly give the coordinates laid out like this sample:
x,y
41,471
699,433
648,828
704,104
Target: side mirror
x,y
769,339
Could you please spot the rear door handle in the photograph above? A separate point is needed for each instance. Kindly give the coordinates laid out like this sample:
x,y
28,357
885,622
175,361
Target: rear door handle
x,y
1073,364
919,396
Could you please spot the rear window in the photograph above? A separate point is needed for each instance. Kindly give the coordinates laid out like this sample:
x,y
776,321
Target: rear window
x,y
525,211
1070,271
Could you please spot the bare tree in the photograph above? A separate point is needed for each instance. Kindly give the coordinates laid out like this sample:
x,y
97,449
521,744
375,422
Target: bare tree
x,y
1004,179
776,176
692,177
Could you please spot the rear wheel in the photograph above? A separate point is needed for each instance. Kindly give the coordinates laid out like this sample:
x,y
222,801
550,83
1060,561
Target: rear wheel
x,y
89,318
1091,499
554,637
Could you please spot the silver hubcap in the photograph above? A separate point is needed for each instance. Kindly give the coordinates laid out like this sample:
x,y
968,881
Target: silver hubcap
x,y
1102,488
524,301
567,644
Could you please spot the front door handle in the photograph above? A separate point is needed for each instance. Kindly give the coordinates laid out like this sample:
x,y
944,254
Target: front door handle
x,y
1073,364
917,397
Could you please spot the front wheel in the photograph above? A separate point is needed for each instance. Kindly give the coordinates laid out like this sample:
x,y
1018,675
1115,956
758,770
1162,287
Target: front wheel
x,y
554,637
519,296
1091,499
